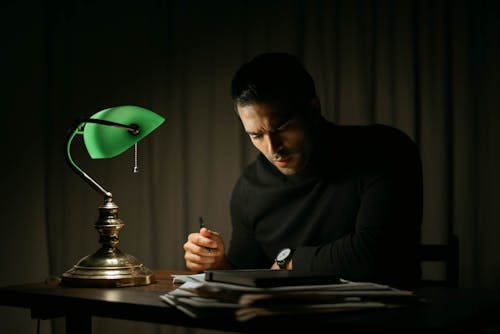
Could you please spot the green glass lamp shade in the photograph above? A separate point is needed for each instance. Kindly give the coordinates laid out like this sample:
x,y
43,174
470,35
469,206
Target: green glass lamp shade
x,y
104,141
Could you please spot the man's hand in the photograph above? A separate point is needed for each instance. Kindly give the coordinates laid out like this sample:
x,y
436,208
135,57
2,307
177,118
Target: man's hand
x,y
205,250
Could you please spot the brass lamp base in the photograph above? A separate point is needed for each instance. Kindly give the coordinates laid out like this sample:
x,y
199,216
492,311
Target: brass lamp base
x,y
106,270
109,266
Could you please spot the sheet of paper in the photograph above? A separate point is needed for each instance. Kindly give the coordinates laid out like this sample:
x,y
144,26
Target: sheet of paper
x,y
179,279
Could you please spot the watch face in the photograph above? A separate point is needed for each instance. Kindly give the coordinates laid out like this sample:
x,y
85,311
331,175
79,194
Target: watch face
x,y
283,254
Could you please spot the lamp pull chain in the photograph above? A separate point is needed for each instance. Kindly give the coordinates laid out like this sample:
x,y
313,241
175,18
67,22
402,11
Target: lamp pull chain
x,y
136,168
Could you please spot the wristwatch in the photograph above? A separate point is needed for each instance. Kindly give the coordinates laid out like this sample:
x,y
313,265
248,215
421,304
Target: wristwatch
x,y
283,257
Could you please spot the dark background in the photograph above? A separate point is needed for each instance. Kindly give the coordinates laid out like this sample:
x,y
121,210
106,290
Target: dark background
x,y
429,68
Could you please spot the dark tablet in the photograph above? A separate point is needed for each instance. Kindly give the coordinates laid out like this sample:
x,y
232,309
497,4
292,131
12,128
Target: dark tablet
x,y
266,278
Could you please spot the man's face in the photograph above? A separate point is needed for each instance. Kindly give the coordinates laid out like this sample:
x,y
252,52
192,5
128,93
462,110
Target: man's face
x,y
278,134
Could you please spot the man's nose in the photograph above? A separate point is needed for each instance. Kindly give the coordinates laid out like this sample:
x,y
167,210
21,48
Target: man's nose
x,y
274,143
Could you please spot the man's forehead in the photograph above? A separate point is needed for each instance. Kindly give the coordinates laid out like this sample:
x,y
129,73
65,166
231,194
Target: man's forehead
x,y
274,111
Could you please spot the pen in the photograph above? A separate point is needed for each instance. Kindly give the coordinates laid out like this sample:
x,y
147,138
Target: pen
x,y
202,225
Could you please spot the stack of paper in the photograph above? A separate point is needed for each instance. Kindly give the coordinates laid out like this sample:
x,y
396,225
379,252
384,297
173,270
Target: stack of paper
x,y
199,298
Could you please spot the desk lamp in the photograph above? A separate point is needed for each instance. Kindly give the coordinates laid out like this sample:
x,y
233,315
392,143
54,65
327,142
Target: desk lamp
x,y
107,134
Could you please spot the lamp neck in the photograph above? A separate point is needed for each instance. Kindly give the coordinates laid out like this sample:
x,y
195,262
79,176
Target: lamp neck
x,y
96,186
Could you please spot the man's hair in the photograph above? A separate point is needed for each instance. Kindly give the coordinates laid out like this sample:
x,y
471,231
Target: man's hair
x,y
272,77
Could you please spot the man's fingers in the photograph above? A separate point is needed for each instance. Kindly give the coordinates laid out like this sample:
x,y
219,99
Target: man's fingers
x,y
200,240
207,242
203,250
208,233
196,258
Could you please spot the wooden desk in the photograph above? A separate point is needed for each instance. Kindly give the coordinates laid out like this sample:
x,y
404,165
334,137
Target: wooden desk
x,y
446,310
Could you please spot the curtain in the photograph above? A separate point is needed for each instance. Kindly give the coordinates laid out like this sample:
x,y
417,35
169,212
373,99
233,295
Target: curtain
x,y
427,67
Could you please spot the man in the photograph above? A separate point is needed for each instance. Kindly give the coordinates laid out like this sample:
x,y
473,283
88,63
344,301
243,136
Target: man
x,y
319,197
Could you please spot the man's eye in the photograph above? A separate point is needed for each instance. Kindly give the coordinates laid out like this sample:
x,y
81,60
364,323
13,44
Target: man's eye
x,y
255,136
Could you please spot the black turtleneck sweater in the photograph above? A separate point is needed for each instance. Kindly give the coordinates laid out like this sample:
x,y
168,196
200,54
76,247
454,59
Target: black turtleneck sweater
x,y
358,214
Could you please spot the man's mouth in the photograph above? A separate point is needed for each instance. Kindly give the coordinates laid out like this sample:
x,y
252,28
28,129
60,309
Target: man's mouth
x,y
282,162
